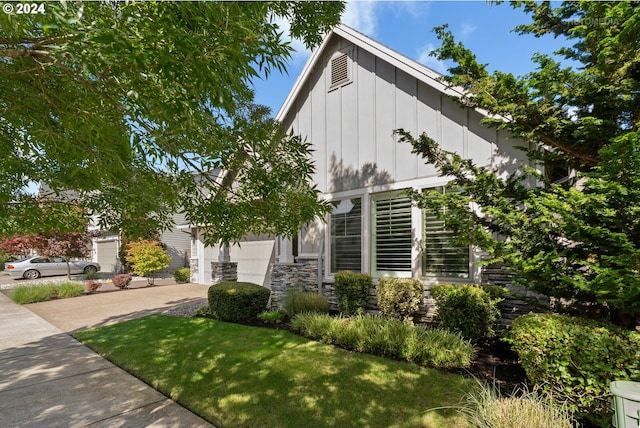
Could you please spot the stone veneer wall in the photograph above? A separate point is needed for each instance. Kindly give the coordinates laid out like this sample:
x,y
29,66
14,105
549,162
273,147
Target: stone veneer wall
x,y
300,276
193,270
522,300
223,272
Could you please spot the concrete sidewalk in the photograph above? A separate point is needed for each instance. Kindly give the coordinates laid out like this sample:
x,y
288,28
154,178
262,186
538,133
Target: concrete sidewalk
x,y
49,379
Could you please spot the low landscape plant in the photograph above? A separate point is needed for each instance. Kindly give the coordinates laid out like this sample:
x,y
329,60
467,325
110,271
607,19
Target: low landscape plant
x,y
485,406
236,301
468,309
305,301
182,275
576,359
91,275
387,337
353,291
93,285
272,316
399,298
122,281
41,293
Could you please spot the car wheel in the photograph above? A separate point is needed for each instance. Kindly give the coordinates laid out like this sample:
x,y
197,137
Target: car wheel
x,y
90,269
31,274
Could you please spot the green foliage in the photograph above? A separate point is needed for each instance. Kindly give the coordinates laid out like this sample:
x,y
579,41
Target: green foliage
x,y
387,337
485,406
122,281
272,316
353,291
468,309
41,293
91,275
147,257
237,301
399,298
305,301
576,244
132,107
576,359
182,275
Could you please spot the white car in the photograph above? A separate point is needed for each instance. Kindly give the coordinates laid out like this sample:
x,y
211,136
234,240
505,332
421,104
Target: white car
x,y
35,266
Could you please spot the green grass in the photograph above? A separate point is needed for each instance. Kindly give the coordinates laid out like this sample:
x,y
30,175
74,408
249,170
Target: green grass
x,y
239,376
41,293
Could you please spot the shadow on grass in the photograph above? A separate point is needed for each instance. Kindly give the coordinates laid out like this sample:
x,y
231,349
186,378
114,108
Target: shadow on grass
x,y
239,376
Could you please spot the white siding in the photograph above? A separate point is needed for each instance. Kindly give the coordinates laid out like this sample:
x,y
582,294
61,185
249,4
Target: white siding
x,y
178,244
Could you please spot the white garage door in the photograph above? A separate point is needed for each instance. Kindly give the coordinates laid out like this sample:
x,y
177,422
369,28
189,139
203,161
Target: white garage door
x,y
107,255
254,259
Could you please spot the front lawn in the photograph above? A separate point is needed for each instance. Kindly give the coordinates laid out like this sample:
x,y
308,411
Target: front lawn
x,y
239,376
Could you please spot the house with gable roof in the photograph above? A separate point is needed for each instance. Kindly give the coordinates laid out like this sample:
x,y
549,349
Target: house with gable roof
x,y
350,97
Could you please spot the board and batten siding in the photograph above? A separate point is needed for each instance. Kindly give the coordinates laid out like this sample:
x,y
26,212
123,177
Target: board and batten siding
x,y
351,127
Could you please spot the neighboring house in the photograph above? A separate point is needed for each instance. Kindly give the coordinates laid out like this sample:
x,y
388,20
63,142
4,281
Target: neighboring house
x,y
177,241
106,247
352,94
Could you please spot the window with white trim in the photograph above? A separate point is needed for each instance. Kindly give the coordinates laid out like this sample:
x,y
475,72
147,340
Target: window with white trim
x,y
391,233
441,256
346,235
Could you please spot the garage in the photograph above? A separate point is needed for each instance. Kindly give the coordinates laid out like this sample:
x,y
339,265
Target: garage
x,y
107,254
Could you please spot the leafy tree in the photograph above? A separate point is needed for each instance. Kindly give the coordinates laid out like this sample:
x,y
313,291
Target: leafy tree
x,y
50,244
134,106
147,257
578,242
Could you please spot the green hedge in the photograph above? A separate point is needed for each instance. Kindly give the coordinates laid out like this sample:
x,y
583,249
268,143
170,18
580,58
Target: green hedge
x,y
353,291
399,298
237,301
576,359
182,275
387,337
469,309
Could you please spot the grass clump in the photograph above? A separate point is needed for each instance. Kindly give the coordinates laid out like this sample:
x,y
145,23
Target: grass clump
x,y
239,376
388,338
306,301
25,294
485,406
272,316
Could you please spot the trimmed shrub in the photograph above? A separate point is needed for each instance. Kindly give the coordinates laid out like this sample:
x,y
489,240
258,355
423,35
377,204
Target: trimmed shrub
x,y
485,406
399,298
93,285
237,301
576,359
353,291
306,301
182,275
122,281
468,309
387,337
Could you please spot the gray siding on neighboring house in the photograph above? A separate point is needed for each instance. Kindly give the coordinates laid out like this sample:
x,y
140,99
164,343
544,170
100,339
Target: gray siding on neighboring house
x,y
178,244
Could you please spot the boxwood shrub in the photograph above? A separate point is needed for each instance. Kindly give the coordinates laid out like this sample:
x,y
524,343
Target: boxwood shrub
x,y
576,359
237,301
353,291
468,309
399,298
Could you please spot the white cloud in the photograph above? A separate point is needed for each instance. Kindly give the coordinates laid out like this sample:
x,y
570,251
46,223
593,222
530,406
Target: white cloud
x,y
466,30
361,15
425,58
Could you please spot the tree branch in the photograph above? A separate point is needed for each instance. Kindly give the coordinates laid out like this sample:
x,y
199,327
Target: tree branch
x,y
23,53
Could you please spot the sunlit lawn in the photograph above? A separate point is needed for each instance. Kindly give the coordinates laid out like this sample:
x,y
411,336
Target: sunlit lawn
x,y
239,376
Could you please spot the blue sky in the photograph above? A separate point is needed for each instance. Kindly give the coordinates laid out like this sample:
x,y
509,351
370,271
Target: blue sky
x,y
407,27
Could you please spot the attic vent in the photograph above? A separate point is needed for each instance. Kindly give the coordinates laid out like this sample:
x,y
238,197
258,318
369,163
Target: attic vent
x,y
340,70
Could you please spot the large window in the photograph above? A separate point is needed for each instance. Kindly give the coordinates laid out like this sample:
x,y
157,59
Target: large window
x,y
391,233
346,235
441,256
